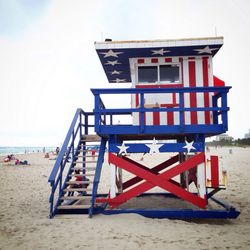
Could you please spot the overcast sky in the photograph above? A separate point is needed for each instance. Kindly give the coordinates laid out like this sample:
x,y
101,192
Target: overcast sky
x,y
48,61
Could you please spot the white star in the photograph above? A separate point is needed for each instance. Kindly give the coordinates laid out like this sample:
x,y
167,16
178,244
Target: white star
x,y
115,72
111,53
154,147
123,149
113,63
160,52
117,80
206,50
189,146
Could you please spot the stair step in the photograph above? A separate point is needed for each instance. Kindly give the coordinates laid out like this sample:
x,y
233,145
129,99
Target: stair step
x,y
76,190
86,168
86,156
73,207
82,150
85,162
91,137
78,182
74,198
78,175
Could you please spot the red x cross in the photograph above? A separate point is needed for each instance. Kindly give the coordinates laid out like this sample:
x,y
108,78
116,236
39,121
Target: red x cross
x,y
152,180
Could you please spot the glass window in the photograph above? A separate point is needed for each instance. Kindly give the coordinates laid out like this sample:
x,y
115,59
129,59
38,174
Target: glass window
x,y
169,73
147,74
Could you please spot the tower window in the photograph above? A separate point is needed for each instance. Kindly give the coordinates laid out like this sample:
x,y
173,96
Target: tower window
x,y
161,73
169,73
147,74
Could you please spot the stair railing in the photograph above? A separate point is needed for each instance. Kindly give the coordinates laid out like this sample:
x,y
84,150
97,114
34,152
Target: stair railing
x,y
66,157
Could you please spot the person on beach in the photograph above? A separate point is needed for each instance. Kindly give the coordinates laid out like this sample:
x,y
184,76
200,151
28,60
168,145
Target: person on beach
x,y
46,155
57,150
18,162
93,152
9,158
79,177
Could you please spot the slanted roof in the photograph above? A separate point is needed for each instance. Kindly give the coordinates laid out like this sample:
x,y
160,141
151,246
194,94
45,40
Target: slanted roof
x,y
114,55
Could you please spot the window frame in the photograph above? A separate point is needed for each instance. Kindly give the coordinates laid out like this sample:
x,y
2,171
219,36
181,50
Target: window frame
x,y
158,82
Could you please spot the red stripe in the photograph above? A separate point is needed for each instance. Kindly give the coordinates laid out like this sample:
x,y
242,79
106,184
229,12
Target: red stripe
x,y
170,118
140,60
154,60
214,171
168,59
182,80
156,118
205,82
192,83
136,100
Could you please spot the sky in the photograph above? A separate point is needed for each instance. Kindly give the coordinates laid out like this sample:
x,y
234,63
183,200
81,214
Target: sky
x,y
48,61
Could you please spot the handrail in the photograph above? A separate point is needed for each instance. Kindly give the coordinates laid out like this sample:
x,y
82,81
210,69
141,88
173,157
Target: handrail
x,y
160,90
217,92
57,179
64,147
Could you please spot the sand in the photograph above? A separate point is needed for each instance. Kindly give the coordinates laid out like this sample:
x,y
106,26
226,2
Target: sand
x,y
24,209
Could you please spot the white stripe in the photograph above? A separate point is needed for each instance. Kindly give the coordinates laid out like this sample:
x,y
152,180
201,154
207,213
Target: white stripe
x,y
112,181
187,95
199,96
149,118
210,84
177,114
163,118
201,183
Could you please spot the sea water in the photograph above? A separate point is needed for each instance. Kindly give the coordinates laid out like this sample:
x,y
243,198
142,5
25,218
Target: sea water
x,y
24,150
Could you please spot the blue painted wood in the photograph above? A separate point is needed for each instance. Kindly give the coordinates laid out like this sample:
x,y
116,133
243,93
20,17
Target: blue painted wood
x,y
208,130
158,130
166,147
126,53
97,174
179,213
57,178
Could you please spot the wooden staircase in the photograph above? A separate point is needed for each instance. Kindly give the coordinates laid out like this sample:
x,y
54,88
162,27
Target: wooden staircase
x,y
78,187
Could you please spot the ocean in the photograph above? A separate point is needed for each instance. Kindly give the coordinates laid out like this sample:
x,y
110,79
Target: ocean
x,y
23,150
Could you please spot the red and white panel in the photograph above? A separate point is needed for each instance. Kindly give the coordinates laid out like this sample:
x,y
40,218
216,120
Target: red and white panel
x,y
195,72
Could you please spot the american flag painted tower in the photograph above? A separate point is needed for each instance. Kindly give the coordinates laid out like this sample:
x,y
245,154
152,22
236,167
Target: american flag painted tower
x,y
176,103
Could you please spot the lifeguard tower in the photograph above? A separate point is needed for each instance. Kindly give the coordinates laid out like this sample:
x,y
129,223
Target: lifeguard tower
x,y
176,103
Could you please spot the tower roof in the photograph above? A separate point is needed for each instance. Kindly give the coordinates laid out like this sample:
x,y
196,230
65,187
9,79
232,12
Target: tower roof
x,y
115,55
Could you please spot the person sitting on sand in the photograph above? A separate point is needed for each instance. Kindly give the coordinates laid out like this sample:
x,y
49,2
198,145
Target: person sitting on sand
x,y
18,162
9,158
46,155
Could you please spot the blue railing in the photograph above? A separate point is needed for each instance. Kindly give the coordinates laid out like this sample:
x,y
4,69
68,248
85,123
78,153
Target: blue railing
x,y
65,159
219,109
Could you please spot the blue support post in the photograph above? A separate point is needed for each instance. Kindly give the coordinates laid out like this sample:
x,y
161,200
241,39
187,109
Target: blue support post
x,y
224,110
97,113
97,174
142,113
181,112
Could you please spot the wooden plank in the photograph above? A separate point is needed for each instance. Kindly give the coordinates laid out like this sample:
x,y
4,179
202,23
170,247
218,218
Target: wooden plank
x,y
85,162
86,156
76,190
78,175
78,182
73,198
86,169
91,137
83,150
73,207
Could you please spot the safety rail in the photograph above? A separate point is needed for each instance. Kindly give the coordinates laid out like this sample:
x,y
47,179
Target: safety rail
x,y
79,126
217,127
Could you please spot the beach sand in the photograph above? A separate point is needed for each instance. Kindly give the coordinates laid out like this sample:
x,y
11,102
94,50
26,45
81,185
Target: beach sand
x,y
24,210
